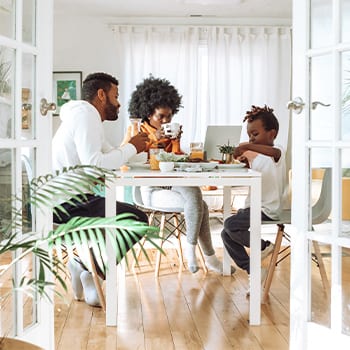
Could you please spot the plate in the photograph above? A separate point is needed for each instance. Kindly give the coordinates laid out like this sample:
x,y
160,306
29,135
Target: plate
x,y
231,166
202,165
139,165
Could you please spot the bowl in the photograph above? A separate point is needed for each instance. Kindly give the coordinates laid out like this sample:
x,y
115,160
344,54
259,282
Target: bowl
x,y
166,166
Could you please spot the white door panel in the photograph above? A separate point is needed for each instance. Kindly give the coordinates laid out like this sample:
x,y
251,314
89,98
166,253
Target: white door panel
x,y
321,140
25,142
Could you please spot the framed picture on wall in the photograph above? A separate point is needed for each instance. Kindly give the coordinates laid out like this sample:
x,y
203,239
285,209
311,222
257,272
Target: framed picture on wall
x,y
66,87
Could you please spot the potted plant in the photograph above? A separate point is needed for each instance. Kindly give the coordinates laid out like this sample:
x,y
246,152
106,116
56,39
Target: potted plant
x,y
227,151
82,233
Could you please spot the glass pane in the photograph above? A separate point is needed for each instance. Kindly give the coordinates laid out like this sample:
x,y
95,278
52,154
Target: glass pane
x,y
345,20
320,283
346,290
27,160
345,122
27,95
321,123
6,185
321,23
7,22
7,302
7,60
345,192
29,21
321,191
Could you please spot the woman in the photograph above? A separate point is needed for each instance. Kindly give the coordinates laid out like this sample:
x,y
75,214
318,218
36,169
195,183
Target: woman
x,y
156,101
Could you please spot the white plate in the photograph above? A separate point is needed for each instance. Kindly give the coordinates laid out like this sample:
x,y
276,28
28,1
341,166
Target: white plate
x,y
139,165
231,166
201,165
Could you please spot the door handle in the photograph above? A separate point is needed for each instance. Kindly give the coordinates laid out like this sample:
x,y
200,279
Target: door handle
x,y
315,103
297,105
45,106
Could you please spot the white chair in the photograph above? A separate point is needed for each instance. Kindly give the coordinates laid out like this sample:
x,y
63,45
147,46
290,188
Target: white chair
x,y
171,223
320,213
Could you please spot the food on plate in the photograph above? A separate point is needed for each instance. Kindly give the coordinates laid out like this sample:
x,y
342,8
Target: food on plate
x,y
124,168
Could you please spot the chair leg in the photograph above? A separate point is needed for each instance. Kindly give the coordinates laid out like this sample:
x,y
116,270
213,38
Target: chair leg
x,y
272,265
142,241
159,255
97,283
323,272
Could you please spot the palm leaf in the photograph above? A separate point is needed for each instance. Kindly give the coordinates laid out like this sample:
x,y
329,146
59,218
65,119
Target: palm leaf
x,y
84,234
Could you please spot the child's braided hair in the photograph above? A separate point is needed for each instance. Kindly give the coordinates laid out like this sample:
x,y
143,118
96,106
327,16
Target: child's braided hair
x,y
266,116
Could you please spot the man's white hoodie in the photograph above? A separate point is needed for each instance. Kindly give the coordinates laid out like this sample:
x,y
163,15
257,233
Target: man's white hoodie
x,y
80,140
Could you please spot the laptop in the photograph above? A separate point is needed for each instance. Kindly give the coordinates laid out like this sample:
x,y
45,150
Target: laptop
x,y
219,135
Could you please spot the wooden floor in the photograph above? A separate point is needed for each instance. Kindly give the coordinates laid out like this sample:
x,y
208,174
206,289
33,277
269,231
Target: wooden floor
x,y
179,311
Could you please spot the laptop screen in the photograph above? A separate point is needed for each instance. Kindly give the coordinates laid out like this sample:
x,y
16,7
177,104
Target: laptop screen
x,y
219,135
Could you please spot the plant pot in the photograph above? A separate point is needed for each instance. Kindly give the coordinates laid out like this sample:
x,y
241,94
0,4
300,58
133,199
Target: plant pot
x,y
15,344
227,158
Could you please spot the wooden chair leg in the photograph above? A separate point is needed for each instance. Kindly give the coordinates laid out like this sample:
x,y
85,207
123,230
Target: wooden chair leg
x,y
272,265
323,272
97,283
142,241
159,255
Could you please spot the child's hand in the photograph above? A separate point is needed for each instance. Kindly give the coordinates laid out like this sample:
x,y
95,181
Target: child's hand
x,y
240,149
247,157
244,159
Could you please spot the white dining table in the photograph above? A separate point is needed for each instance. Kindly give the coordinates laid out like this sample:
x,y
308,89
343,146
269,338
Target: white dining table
x,y
227,178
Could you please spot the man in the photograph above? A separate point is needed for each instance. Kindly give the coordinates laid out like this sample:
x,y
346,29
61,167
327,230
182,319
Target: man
x,y
80,140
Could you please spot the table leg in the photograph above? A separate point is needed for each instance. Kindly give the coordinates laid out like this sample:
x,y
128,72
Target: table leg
x,y
111,275
227,212
255,252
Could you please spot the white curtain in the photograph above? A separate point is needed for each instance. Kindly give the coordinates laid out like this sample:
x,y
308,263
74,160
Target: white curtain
x,y
219,70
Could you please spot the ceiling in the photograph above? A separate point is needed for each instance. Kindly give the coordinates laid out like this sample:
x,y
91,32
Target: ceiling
x,y
177,8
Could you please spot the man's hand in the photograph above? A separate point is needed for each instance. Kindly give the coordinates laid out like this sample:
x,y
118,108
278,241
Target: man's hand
x,y
139,141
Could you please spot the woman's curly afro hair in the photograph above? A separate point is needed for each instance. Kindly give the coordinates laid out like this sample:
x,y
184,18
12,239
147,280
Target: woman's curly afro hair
x,y
151,94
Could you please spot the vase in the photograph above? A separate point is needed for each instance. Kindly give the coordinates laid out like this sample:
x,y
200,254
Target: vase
x,y
227,158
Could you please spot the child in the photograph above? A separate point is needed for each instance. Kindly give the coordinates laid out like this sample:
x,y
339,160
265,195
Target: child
x,y
261,155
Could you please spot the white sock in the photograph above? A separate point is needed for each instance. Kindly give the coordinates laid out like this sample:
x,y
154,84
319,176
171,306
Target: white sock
x,y
75,270
191,257
90,292
213,263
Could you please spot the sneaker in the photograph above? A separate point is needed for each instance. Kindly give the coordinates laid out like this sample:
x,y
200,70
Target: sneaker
x,y
263,275
268,250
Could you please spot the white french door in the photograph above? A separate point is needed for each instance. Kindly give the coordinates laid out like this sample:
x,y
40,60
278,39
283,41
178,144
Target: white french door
x,y
320,318
25,142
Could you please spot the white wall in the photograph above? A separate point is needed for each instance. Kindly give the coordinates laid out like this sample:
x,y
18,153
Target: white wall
x,y
86,44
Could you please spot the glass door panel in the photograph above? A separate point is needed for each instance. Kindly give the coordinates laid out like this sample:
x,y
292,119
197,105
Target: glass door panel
x,y
345,20
321,23
28,107
346,290
28,29
345,193
345,120
319,280
7,63
7,22
321,122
